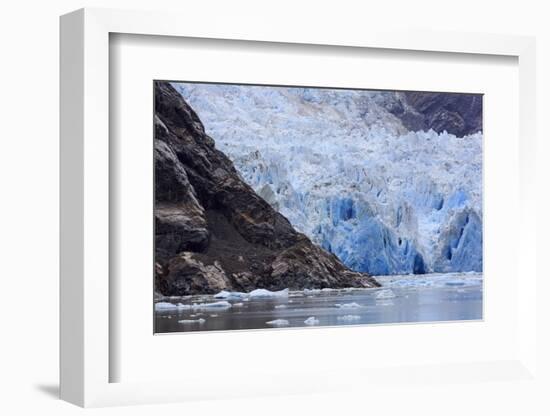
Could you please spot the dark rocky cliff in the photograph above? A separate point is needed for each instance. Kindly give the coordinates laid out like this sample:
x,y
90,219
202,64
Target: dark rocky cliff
x,y
212,231
458,114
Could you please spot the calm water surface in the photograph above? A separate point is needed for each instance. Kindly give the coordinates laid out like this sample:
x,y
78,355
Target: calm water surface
x,y
437,297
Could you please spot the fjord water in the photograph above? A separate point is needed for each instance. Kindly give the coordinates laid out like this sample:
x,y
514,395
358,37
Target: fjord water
x,y
404,298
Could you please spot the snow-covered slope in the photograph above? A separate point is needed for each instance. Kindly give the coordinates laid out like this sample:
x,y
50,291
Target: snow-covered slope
x,y
347,173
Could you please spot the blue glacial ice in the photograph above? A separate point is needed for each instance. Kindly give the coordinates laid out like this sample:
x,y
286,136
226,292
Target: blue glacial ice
x,y
349,175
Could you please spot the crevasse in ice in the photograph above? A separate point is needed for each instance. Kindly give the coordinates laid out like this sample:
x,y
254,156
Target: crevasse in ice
x,y
348,174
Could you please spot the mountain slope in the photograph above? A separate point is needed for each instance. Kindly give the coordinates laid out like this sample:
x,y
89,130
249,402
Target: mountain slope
x,y
212,231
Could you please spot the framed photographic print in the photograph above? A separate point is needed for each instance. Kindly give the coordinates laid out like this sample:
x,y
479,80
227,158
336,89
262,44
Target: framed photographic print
x,y
282,206
298,212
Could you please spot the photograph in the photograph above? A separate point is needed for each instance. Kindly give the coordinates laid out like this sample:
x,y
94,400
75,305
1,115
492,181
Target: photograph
x,y
282,206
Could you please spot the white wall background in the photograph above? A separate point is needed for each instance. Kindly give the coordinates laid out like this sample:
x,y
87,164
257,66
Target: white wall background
x,y
29,204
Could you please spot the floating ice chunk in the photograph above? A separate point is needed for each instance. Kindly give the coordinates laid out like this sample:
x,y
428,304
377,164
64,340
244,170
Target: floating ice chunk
x,y
165,306
347,305
296,295
278,322
221,305
238,305
267,294
280,306
311,321
312,291
349,318
455,283
224,294
199,321
385,294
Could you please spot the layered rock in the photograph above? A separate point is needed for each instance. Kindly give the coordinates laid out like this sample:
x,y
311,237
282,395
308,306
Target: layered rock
x,y
458,114
212,231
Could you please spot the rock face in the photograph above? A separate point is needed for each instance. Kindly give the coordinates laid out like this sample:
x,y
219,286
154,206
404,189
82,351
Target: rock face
x,y
212,231
458,114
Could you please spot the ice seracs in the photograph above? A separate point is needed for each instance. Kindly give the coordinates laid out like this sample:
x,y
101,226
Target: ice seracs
x,y
346,172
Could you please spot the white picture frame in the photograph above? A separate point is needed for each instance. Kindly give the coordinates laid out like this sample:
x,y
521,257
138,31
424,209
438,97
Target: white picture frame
x,y
85,219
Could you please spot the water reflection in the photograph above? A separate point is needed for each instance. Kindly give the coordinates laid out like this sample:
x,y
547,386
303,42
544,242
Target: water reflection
x,y
434,298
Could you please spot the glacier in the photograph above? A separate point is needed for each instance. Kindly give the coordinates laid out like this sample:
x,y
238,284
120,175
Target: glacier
x,y
346,172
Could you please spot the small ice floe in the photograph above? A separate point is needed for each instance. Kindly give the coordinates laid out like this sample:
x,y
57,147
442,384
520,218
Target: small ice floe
x,y
311,291
199,321
268,294
238,305
221,305
296,295
213,315
224,294
455,283
347,305
278,322
311,321
385,294
280,306
167,306
349,318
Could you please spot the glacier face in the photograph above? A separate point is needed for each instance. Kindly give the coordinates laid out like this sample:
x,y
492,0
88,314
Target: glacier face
x,y
346,172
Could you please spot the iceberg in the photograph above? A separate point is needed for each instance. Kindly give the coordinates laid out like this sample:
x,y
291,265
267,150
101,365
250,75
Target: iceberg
x,y
267,294
351,305
312,291
385,294
221,305
199,321
278,322
167,306
224,294
349,318
311,321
